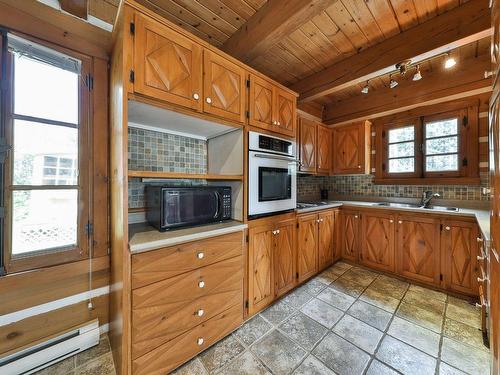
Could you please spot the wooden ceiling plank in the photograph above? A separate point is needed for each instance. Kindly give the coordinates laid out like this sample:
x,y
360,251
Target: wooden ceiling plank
x,y
104,10
447,5
301,54
426,9
326,25
271,23
361,14
78,8
405,13
466,76
300,68
339,14
273,69
224,12
453,29
256,4
384,15
186,19
327,49
240,7
302,39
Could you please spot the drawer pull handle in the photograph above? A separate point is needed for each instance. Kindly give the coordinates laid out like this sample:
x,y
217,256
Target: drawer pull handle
x,y
201,284
196,96
479,257
200,341
200,312
200,255
209,100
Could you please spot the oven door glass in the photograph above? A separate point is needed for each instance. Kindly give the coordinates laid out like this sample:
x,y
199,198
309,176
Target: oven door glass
x,y
191,206
274,184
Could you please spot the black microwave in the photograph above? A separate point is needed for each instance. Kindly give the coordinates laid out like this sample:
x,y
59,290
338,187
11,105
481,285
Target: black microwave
x,y
177,207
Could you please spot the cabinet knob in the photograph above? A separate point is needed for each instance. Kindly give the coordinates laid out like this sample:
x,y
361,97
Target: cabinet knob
x,y
479,257
391,221
275,122
447,228
400,222
196,96
278,123
321,220
480,305
359,166
355,216
200,255
479,239
317,220
208,100
274,232
200,341
200,312
482,279
201,284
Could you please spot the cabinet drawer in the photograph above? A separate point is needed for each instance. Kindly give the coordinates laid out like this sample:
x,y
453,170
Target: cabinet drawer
x,y
164,310
161,264
172,354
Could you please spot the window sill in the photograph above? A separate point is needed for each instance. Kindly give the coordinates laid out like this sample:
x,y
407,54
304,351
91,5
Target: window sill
x,y
428,181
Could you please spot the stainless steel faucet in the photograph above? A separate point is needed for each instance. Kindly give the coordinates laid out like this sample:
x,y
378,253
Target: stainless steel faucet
x,y
427,197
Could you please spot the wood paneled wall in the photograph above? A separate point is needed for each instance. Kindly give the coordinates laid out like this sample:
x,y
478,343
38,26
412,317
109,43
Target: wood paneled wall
x,y
39,292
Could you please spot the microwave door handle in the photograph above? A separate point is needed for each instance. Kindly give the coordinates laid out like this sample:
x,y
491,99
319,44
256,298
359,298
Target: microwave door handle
x,y
218,200
267,156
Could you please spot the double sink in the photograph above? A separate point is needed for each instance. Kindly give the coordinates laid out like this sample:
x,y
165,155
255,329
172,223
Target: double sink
x,y
301,205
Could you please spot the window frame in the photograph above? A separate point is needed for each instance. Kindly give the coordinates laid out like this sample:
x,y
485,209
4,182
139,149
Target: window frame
x,y
468,145
50,257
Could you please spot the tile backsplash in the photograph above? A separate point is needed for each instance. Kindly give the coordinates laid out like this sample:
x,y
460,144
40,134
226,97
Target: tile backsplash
x,y
308,188
163,152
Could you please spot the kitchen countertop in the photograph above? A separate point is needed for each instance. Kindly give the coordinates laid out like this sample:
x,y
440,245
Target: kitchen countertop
x,y
143,237
482,216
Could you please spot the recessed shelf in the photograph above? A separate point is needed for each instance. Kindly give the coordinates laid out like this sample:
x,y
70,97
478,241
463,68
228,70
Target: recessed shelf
x,y
174,175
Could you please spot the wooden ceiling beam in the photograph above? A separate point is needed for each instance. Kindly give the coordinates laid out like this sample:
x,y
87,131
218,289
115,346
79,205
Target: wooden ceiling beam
x,y
437,86
78,8
271,23
460,26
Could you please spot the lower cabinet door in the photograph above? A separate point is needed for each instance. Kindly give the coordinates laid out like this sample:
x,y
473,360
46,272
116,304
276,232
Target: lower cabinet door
x,y
285,257
326,231
418,250
349,234
307,251
377,241
260,268
459,250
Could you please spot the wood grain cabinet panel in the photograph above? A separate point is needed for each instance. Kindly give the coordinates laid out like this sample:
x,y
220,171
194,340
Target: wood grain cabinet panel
x,y
172,354
377,241
156,265
307,250
284,254
167,65
349,234
260,268
459,256
324,152
307,145
224,87
418,249
351,148
261,103
326,235
166,309
285,112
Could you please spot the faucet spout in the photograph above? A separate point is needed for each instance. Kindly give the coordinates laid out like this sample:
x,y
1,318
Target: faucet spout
x,y
427,197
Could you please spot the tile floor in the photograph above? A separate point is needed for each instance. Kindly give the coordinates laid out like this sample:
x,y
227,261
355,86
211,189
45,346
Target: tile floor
x,y
347,320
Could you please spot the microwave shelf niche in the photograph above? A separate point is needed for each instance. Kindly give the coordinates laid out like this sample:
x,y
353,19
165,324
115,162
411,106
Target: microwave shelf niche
x,y
178,176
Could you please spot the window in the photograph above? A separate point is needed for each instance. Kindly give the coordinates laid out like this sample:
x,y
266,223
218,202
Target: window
x,y
46,171
431,147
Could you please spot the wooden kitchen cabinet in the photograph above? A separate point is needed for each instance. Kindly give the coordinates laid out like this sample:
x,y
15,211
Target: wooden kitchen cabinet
x,y
326,238
307,246
324,150
285,257
418,249
223,87
349,234
377,241
459,251
351,148
307,145
271,107
167,65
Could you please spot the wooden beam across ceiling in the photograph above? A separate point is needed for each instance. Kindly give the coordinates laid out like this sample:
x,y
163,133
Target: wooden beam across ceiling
x,y
463,25
438,86
271,23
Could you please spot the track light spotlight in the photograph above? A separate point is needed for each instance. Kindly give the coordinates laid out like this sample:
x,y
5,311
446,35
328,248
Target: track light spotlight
x,y
417,76
392,83
450,62
365,89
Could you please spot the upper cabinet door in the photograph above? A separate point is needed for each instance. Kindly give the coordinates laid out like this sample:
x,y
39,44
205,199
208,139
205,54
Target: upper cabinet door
x,y
224,87
167,65
307,145
261,103
285,109
324,153
351,145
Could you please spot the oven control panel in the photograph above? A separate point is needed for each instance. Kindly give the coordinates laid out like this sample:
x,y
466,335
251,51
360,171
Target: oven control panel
x,y
266,143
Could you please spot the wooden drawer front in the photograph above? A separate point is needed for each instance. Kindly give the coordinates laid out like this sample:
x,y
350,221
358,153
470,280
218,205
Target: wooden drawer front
x,y
166,309
161,264
172,354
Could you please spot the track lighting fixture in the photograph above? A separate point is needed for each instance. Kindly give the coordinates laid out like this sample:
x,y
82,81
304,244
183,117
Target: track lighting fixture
x,y
417,76
365,89
392,83
450,62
